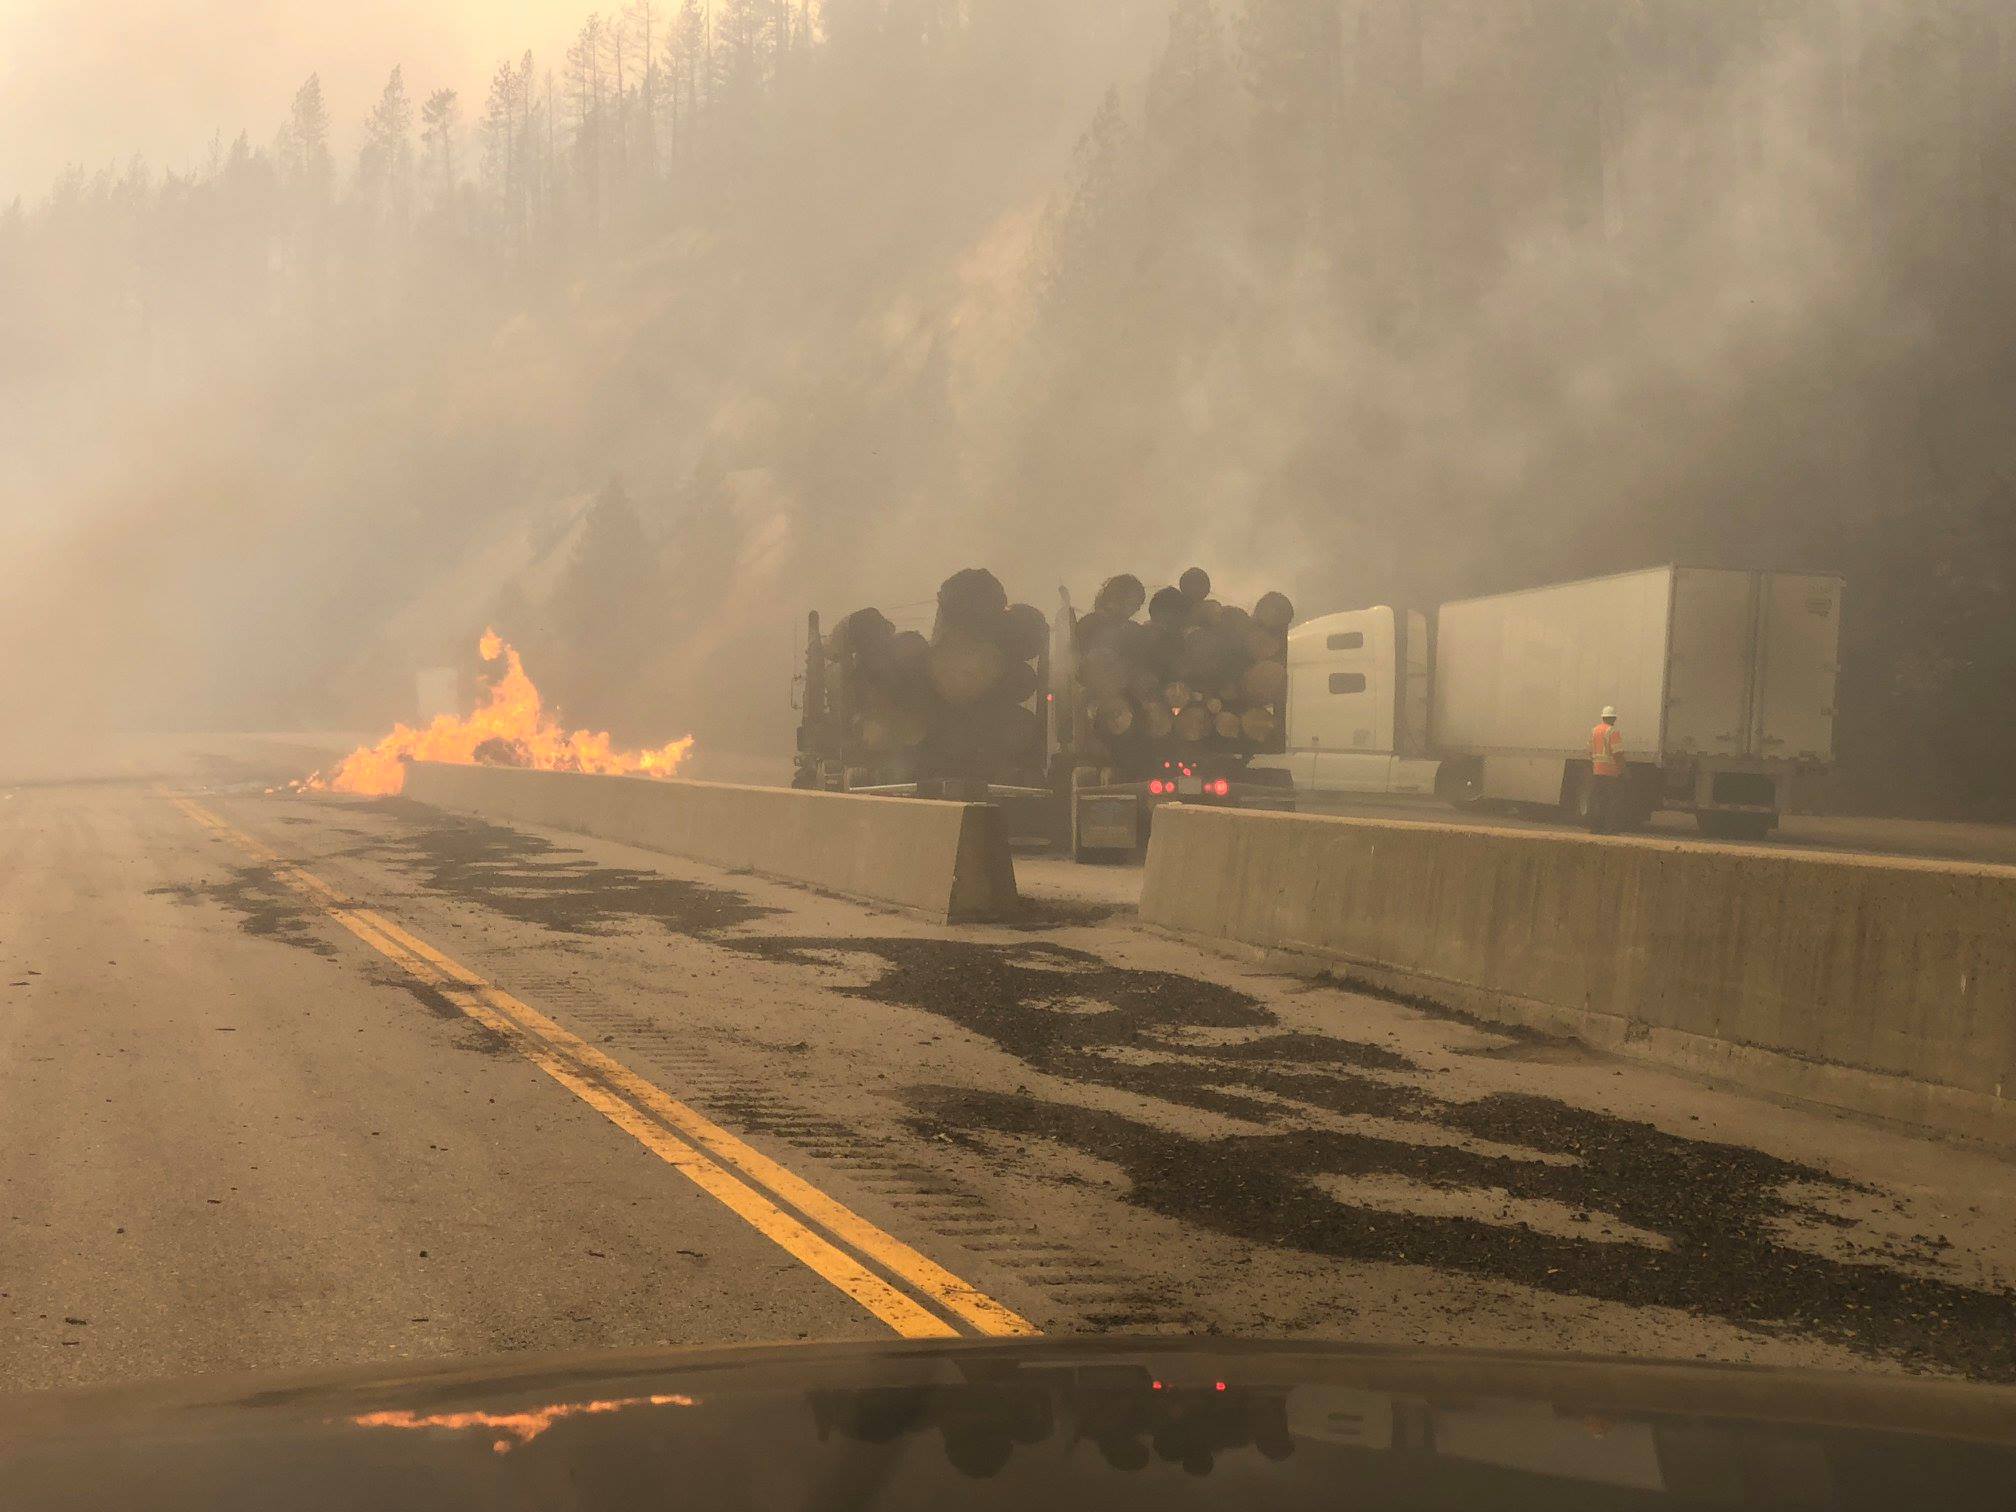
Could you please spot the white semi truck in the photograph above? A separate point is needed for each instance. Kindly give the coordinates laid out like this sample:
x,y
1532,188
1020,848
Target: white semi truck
x,y
1723,681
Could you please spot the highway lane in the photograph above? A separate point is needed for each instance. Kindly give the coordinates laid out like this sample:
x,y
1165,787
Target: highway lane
x,y
242,1126
228,1147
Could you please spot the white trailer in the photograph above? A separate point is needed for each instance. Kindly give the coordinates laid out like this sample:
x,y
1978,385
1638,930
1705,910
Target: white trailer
x,y
1723,681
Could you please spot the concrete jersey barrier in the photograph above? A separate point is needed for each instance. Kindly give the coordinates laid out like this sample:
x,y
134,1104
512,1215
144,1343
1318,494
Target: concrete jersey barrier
x,y
946,861
1887,985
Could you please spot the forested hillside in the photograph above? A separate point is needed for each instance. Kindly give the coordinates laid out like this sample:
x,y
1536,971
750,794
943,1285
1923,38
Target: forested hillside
x,y
742,309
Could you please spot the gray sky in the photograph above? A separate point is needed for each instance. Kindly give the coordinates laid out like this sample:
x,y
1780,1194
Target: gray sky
x,y
92,84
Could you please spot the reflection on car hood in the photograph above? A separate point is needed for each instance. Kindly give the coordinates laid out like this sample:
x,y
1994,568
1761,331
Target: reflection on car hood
x,y
1105,1423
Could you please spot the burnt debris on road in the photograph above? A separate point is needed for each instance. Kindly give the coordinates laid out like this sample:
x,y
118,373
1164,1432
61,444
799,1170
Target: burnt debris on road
x,y
1655,1219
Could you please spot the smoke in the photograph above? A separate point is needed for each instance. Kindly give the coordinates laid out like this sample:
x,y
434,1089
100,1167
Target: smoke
x,y
78,87
1370,302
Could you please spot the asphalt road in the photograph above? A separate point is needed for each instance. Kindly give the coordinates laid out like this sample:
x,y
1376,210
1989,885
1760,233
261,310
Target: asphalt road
x,y
287,1082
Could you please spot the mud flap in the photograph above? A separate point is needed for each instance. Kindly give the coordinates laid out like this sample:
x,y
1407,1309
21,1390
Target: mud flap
x,y
1104,826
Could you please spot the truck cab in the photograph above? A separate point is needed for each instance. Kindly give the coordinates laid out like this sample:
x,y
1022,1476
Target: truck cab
x,y
1358,686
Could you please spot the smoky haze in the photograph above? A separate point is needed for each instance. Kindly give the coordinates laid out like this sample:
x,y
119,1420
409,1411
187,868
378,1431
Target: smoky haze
x,y
95,84
717,314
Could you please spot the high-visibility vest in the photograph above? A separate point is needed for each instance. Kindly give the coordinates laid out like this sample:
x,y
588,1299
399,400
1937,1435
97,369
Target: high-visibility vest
x,y
1606,747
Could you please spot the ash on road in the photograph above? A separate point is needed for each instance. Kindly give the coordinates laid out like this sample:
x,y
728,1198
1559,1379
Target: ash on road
x,y
233,1137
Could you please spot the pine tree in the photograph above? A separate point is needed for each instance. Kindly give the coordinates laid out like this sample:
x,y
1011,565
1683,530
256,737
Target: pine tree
x,y
689,67
303,147
616,54
744,51
308,185
385,162
439,121
500,137
642,19
587,114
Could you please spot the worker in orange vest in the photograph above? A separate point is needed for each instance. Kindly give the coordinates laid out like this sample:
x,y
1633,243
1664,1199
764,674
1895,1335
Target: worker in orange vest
x,y
1606,770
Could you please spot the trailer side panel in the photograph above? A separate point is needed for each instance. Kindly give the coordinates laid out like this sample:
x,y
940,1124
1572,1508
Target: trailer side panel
x,y
1527,673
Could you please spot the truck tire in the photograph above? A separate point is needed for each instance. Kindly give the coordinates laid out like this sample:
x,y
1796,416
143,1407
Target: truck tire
x,y
1632,803
1580,802
1459,783
1641,799
1719,825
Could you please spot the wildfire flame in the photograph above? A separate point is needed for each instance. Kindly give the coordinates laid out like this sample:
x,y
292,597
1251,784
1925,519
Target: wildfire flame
x,y
512,1428
512,728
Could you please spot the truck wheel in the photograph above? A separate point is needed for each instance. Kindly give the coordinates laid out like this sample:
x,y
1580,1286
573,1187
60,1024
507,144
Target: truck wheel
x,y
1580,804
1641,800
1460,784
1726,826
1632,803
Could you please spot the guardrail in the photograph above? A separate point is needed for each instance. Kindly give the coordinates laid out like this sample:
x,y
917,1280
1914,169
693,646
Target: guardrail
x,y
1881,984
948,862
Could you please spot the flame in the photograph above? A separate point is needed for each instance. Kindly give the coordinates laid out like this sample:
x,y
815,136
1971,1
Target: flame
x,y
521,1427
512,728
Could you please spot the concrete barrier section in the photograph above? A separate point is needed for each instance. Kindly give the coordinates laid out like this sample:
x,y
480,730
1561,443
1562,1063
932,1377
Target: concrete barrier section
x,y
1886,985
946,861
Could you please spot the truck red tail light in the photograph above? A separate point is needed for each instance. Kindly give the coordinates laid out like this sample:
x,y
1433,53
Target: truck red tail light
x,y
1155,786
1221,787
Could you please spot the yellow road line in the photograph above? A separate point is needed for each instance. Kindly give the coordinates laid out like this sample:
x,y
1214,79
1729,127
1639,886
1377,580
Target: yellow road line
x,y
630,1102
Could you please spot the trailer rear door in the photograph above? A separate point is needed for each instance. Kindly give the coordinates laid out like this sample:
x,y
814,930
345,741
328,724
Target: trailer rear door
x,y
1799,641
1710,661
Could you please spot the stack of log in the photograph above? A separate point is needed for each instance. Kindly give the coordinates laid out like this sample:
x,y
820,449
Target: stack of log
x,y
960,703
1196,671
966,702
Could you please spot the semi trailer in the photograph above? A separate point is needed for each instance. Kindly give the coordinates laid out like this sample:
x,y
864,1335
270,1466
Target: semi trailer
x,y
1724,682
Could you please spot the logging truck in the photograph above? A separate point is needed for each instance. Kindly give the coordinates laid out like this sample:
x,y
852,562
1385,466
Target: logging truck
x,y
1111,780
1079,731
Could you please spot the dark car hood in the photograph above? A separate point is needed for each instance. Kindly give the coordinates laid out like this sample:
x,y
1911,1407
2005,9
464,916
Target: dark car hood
x,y
1108,1423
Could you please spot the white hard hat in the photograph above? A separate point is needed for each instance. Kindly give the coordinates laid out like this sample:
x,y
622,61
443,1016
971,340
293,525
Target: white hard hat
x,y
1609,711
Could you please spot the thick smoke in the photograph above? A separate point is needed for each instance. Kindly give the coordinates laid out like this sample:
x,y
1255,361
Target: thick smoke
x,y
658,348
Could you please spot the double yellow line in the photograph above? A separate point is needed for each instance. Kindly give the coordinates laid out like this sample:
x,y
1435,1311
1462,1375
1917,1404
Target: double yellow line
x,y
907,1290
